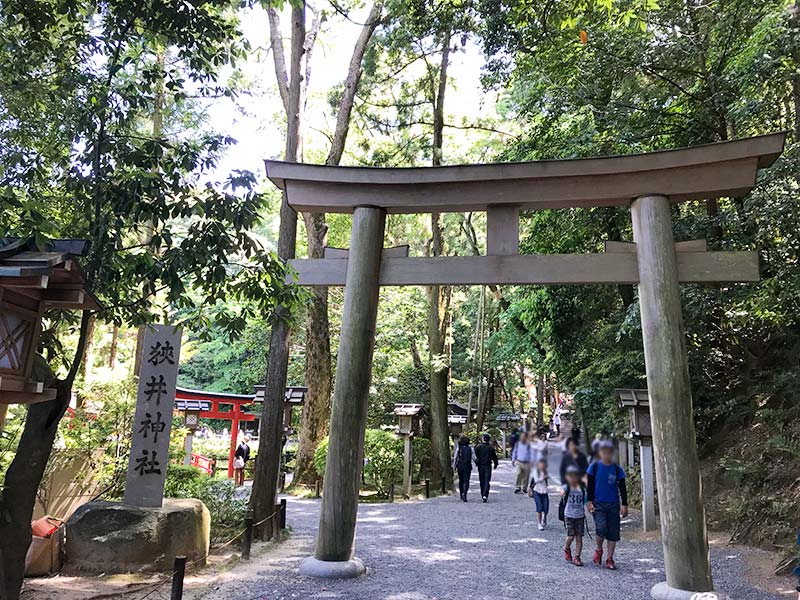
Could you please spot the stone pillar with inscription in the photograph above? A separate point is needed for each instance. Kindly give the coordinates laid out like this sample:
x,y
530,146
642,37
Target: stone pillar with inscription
x,y
145,532
152,422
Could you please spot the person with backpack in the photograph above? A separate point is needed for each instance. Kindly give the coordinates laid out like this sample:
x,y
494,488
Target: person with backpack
x,y
571,510
485,457
608,502
539,487
462,463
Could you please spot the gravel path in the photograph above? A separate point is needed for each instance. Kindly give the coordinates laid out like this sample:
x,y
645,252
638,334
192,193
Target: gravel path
x,y
445,549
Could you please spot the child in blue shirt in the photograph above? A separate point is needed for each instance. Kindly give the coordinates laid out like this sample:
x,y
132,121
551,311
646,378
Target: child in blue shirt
x,y
608,502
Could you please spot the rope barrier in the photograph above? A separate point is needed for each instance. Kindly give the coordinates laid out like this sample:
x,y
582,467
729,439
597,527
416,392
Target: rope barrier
x,y
203,558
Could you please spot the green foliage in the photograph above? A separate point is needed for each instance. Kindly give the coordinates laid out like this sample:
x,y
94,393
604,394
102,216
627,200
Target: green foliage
x,y
321,457
182,481
383,457
226,505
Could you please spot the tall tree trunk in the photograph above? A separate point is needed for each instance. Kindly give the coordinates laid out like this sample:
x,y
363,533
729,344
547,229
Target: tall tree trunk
x,y
88,358
156,132
112,351
476,352
540,401
318,374
318,371
439,296
267,467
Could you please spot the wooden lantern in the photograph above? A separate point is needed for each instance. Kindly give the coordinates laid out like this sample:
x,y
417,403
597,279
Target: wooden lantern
x,y
408,417
504,420
31,283
638,404
456,423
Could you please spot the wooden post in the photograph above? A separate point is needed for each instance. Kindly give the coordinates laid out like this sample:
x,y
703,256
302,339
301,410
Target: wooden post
x,y
648,486
316,488
283,513
179,570
391,492
247,538
427,488
623,454
503,437
187,448
408,457
683,525
337,522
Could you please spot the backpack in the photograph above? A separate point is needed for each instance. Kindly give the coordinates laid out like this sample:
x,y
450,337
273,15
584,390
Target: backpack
x,y
464,457
562,505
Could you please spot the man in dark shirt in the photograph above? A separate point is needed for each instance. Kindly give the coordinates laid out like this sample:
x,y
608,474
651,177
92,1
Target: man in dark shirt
x,y
485,457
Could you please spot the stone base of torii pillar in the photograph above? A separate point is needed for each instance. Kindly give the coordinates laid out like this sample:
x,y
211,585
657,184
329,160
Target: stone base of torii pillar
x,y
661,591
332,569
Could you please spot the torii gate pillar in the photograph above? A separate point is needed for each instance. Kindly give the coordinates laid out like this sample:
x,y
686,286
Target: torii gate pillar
x,y
334,554
683,526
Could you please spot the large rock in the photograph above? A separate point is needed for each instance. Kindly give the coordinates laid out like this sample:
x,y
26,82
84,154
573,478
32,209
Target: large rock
x,y
110,537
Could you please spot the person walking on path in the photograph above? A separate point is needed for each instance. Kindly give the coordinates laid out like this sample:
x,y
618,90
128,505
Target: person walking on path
x,y
608,501
522,458
462,463
240,458
557,423
573,457
539,491
540,450
485,458
514,438
571,510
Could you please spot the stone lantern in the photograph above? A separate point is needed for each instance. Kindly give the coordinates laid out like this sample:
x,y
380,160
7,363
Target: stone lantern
x,y
191,410
638,404
408,416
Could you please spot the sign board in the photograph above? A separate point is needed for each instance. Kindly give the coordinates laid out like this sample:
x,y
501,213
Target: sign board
x,y
152,422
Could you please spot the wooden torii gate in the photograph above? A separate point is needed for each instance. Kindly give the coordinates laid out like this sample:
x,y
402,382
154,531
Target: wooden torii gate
x,y
648,183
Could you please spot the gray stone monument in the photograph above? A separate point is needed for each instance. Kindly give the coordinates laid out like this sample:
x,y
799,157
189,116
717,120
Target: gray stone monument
x,y
152,422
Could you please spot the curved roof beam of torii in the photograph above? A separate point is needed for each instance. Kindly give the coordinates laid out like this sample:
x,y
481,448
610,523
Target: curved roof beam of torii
x,y
699,172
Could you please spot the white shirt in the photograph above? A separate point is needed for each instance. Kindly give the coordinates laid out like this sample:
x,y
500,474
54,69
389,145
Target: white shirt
x,y
540,482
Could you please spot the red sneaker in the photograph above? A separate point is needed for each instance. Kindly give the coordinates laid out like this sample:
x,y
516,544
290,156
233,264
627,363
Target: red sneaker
x,y
567,555
598,557
577,561
611,565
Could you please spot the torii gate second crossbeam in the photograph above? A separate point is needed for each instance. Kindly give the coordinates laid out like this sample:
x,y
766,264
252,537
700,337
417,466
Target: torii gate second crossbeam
x,y
648,183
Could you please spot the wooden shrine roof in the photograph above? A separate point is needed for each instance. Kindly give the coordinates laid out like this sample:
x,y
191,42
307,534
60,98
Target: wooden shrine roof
x,y
52,278
407,410
700,172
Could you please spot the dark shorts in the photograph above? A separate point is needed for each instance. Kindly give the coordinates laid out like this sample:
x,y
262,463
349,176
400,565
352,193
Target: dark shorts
x,y
606,520
575,527
542,502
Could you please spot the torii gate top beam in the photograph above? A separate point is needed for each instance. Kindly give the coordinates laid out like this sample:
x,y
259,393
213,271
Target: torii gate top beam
x,y
699,172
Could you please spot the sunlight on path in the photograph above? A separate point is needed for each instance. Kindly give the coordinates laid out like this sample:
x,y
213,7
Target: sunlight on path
x,y
443,549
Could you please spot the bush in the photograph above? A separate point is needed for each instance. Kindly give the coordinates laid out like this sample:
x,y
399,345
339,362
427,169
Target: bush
x,y
182,480
383,457
226,506
321,456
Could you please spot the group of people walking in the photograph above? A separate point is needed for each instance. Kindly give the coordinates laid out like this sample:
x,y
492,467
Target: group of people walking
x,y
483,455
597,487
